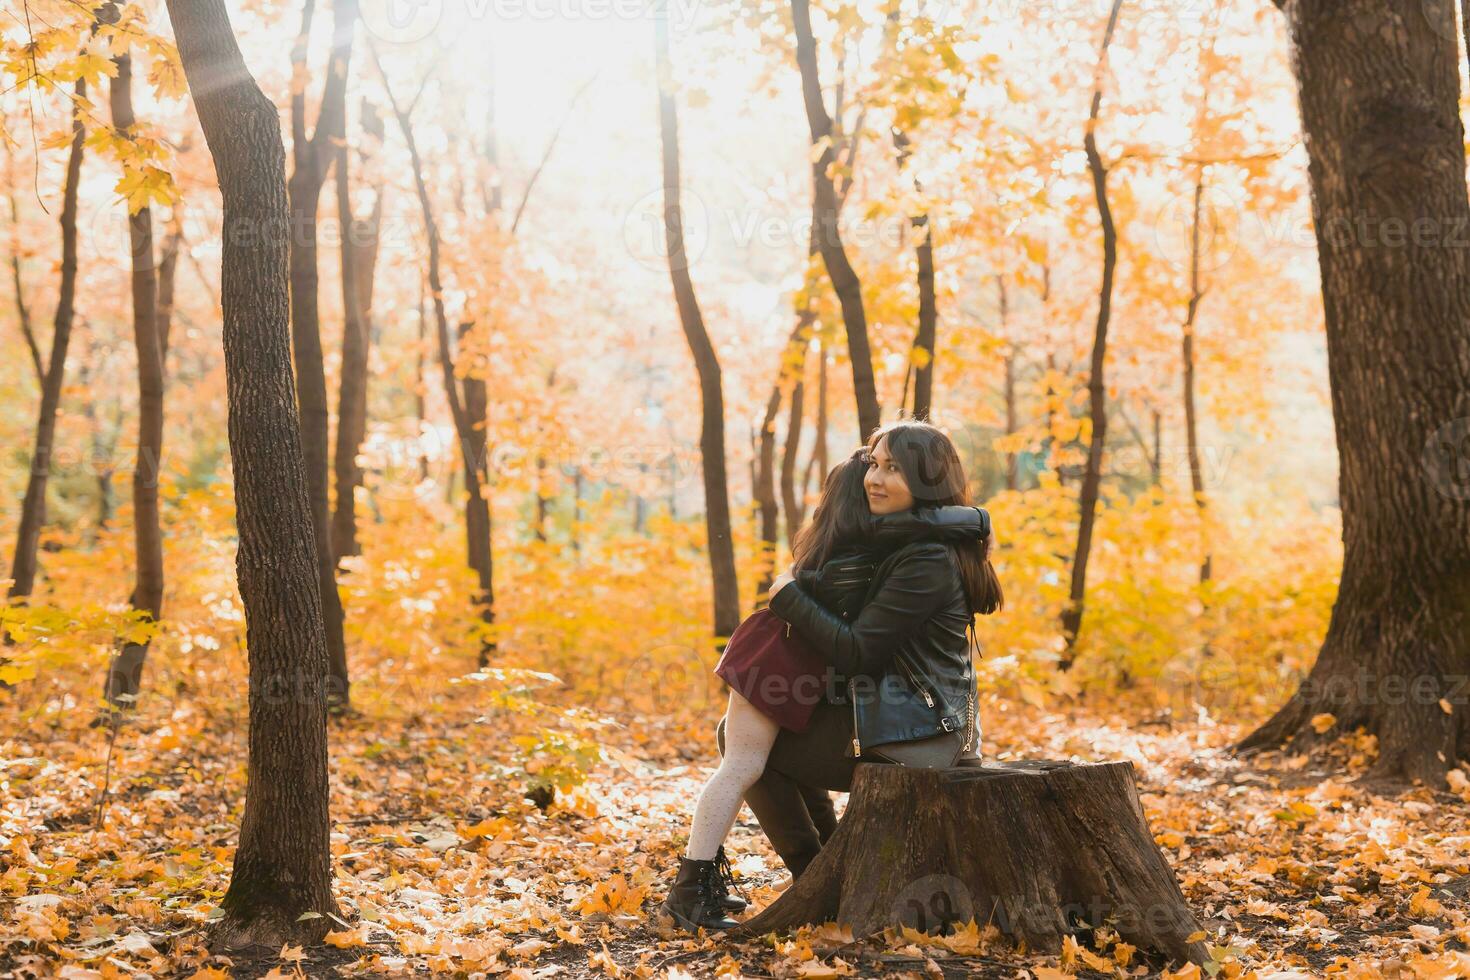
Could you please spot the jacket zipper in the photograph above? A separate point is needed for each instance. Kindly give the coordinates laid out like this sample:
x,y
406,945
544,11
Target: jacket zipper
x,y
972,709
857,746
908,671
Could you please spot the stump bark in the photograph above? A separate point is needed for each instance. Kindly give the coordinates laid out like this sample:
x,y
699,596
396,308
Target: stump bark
x,y
1040,849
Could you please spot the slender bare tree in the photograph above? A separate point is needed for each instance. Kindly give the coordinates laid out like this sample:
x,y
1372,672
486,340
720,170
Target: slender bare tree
x,y
712,427
1096,384
311,159
281,888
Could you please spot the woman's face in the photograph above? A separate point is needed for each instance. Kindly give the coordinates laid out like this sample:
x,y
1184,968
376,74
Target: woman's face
x,y
888,492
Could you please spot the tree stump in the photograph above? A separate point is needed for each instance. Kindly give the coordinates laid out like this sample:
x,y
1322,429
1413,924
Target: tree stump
x,y
1041,849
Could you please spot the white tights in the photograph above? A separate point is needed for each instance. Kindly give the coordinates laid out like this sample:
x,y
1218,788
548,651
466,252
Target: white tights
x,y
749,735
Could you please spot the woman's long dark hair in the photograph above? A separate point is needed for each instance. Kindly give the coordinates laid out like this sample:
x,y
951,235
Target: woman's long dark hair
x,y
839,514
931,467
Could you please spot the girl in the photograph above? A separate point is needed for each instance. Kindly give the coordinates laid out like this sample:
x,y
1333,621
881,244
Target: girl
x,y
776,679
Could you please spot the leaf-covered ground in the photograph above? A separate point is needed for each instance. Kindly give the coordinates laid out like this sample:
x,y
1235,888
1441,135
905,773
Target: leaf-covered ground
x,y
444,866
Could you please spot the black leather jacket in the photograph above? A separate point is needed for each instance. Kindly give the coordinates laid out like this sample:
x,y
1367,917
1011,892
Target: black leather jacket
x,y
905,656
841,583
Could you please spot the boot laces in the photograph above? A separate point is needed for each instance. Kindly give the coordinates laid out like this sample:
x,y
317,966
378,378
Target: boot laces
x,y
708,884
725,875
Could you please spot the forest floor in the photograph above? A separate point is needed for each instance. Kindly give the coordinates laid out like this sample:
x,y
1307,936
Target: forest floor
x,y
443,866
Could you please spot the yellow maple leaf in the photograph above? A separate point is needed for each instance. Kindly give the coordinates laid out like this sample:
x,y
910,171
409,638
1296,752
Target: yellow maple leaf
x,y
166,74
346,940
1070,948
604,962
1422,905
611,897
969,939
1050,973
142,186
1323,722
489,828
57,140
92,67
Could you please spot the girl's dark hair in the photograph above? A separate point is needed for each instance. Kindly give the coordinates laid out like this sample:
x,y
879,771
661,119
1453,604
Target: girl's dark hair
x,y
931,467
840,514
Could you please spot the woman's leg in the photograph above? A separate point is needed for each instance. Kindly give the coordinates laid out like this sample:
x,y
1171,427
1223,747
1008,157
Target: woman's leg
x,y
810,762
823,813
749,735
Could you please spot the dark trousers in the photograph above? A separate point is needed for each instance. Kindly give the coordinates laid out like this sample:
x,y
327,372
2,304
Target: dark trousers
x,y
790,799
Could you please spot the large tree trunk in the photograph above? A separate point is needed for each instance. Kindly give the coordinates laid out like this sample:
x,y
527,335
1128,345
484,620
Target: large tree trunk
x,y
712,426
359,259
1066,848
1096,385
283,866
829,238
1379,95
33,507
312,158
125,677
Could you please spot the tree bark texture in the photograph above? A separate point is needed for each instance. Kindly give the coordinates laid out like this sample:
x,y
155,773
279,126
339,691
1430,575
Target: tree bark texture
x,y
1378,87
33,506
1096,383
359,265
845,280
1040,849
312,158
283,865
124,679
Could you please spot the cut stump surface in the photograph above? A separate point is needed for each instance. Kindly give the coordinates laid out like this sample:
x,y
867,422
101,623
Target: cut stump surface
x,y
1040,849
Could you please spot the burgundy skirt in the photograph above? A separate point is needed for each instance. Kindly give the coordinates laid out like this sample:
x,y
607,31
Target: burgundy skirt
x,y
773,668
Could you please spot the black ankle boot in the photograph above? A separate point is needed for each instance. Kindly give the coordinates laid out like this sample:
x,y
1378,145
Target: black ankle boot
x,y
723,882
693,902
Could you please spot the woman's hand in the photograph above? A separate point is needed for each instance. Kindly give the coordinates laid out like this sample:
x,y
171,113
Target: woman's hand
x,y
785,578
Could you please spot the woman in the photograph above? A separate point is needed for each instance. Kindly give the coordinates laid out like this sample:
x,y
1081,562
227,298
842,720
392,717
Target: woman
x,y
905,656
775,678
